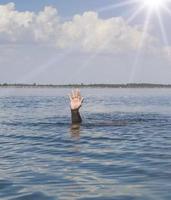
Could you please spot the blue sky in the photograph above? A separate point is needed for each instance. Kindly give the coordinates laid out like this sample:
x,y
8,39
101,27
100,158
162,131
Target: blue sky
x,y
76,41
65,7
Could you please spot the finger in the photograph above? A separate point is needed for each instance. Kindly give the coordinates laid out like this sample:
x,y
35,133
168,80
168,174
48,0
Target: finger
x,y
78,93
73,94
70,97
82,99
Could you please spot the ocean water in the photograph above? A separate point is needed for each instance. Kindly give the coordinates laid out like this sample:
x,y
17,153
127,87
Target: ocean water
x,y
122,151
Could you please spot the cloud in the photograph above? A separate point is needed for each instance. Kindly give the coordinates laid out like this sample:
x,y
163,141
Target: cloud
x,y
91,33
17,27
86,32
14,26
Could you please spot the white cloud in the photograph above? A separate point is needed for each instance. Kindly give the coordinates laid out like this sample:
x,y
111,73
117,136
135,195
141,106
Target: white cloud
x,y
14,25
94,34
86,32
46,25
27,26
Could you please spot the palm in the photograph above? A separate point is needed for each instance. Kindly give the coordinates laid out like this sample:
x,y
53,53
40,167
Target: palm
x,y
75,103
76,100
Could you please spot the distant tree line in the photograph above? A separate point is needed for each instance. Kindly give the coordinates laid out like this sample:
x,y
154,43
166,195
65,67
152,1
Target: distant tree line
x,y
128,85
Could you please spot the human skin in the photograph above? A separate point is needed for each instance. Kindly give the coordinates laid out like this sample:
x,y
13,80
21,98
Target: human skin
x,y
76,101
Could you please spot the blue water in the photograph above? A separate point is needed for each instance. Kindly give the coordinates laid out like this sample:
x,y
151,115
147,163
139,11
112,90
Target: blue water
x,y
122,151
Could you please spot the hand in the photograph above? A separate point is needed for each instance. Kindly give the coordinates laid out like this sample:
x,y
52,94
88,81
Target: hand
x,y
76,99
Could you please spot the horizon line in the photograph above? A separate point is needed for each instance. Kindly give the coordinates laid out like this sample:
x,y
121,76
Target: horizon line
x,y
95,85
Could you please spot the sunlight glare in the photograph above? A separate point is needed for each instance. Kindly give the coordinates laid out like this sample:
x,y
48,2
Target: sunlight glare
x,y
153,4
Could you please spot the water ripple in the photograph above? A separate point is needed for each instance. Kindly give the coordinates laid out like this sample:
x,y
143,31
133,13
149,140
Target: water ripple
x,y
121,151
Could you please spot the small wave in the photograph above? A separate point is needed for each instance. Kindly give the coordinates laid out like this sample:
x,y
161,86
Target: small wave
x,y
34,196
5,184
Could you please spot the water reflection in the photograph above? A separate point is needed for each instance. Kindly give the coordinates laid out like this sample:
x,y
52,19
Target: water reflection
x,y
75,131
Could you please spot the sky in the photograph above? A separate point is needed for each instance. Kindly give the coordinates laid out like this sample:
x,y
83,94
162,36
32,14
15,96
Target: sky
x,y
85,41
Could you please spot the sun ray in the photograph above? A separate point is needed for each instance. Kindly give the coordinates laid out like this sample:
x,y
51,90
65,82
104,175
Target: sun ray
x,y
82,67
162,28
167,10
42,68
86,63
140,47
135,14
116,5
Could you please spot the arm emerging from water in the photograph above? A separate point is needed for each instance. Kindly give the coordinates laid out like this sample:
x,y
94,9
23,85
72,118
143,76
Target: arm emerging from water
x,y
76,101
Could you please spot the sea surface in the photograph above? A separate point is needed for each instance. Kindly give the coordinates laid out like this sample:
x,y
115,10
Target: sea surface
x,y
122,151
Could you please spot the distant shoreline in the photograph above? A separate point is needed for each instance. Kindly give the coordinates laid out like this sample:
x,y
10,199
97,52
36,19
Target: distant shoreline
x,y
130,85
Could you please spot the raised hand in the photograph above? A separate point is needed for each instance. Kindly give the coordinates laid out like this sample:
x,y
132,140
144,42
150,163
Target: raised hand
x,y
76,99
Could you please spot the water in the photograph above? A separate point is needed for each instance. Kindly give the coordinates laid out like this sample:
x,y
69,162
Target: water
x,y
122,150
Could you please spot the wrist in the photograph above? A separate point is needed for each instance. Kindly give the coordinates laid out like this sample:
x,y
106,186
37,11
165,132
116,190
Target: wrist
x,y
75,110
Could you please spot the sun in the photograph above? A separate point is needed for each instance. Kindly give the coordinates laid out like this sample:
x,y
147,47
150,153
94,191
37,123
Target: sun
x,y
154,4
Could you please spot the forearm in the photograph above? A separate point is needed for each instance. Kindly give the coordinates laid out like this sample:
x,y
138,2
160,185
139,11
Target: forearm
x,y
75,116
